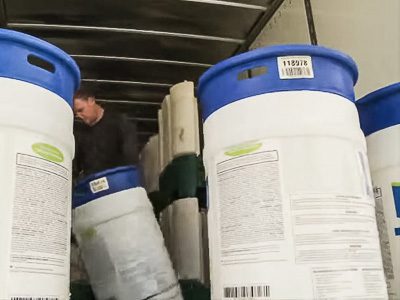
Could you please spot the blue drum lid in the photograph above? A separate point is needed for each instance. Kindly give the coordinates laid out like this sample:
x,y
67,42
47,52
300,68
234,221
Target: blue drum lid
x,y
333,72
30,59
116,180
380,109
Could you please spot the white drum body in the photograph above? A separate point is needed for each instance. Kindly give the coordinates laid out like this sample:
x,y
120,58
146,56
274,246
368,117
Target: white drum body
x,y
380,119
187,239
291,207
36,152
184,120
149,161
122,245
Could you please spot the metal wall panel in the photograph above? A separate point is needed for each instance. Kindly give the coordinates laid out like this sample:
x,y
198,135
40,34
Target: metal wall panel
x,y
131,52
164,15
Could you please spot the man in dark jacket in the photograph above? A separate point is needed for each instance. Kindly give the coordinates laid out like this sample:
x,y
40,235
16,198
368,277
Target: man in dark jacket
x,y
105,140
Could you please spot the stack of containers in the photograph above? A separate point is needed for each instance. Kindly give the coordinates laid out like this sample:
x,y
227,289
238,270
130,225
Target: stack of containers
x,y
121,242
149,160
166,224
184,121
165,152
186,217
150,164
161,159
181,219
165,211
37,82
380,121
167,130
290,198
187,240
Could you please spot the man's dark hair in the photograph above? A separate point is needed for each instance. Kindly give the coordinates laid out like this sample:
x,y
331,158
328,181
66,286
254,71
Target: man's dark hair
x,y
83,94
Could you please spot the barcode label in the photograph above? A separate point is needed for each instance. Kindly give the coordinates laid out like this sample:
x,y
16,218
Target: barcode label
x,y
99,185
34,298
295,67
247,292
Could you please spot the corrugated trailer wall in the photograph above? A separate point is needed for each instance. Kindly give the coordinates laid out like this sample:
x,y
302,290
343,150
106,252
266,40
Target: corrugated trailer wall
x,y
367,30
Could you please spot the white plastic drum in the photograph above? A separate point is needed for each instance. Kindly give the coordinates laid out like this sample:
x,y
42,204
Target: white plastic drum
x,y
149,160
121,242
184,120
37,82
291,207
380,121
187,239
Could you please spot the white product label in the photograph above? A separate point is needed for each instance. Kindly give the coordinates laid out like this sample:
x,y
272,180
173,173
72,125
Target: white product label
x,y
334,229
99,185
383,234
348,283
251,218
40,227
325,244
338,230
295,67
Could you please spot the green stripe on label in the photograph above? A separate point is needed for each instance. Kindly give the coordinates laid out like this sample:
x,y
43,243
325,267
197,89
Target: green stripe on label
x,y
243,149
48,152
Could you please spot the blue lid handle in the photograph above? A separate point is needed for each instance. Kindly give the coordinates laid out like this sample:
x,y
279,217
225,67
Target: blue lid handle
x,y
24,57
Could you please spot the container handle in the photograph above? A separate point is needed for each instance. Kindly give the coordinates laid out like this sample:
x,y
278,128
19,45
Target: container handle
x,y
252,72
26,58
40,62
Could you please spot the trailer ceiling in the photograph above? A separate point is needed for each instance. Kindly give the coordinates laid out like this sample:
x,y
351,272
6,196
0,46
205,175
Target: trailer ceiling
x,y
131,51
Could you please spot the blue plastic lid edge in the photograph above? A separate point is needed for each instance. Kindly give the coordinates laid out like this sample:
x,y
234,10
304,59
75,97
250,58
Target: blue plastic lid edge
x,y
280,50
334,72
119,179
380,109
16,47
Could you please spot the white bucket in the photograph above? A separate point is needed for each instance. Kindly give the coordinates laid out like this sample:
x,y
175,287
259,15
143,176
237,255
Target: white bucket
x,y
167,130
121,242
36,151
166,223
149,160
184,120
187,239
161,158
380,120
291,209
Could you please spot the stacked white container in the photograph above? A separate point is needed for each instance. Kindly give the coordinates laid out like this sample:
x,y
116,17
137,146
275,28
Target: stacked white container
x,y
166,223
186,218
184,120
149,160
181,221
161,158
167,130
187,239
